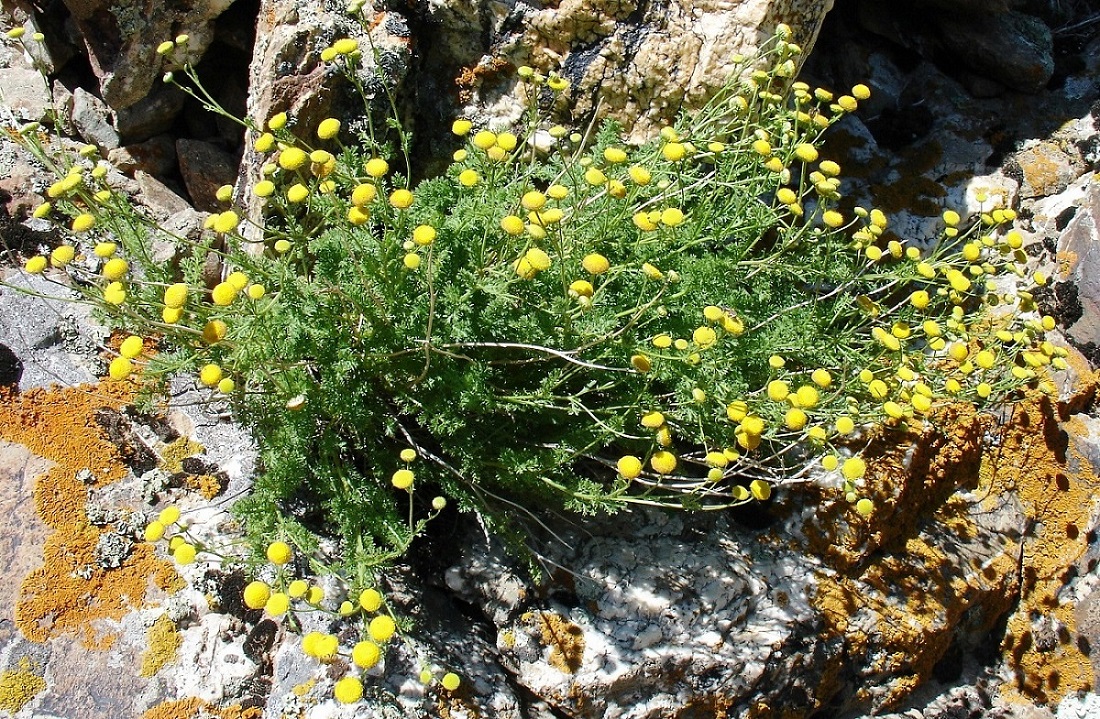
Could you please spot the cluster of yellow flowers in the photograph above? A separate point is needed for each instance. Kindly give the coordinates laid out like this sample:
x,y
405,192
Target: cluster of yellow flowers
x,y
183,549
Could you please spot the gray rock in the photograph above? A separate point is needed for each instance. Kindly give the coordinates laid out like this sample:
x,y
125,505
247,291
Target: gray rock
x,y
156,156
1012,48
150,116
63,106
91,120
31,327
1044,169
158,197
48,55
25,93
1077,290
998,44
112,549
205,168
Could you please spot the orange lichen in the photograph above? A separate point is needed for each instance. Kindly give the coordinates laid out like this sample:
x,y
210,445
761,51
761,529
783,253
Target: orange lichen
x,y
208,485
1032,464
892,575
193,707
60,425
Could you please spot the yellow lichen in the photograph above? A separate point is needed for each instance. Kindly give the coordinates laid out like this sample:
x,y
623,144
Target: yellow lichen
x,y
565,639
173,454
19,686
164,642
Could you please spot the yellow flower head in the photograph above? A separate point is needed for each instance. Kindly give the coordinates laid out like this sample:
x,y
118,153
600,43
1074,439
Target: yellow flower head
x,y
614,155
484,139
210,375
674,151
377,167
345,46
640,175
512,224
363,194
424,235
401,199
853,468
370,600
704,337
114,293
214,331
381,628
595,263
131,347
83,222
533,200
293,158
581,288
672,216
366,654
806,152
403,478
468,178
116,268
279,553
348,690
120,368
223,294
778,390
629,466
663,462
256,595
36,265
538,259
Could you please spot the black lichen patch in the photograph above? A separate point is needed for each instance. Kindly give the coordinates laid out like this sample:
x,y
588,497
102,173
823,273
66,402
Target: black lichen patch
x,y
11,367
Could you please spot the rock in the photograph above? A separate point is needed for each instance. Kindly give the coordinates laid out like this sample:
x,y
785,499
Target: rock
x,y
156,156
50,54
63,105
158,197
1077,285
636,63
1012,48
121,40
150,116
19,177
25,93
1044,169
32,327
90,118
205,168
1004,46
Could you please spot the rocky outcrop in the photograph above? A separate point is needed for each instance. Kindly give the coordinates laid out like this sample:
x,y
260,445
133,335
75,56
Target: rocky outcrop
x,y
638,61
121,39
980,42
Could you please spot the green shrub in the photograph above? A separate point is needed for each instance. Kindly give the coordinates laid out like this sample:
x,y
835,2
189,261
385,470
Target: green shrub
x,y
559,319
